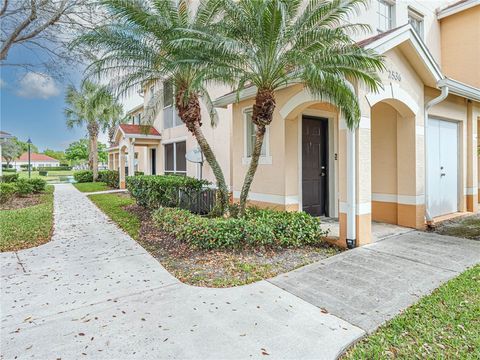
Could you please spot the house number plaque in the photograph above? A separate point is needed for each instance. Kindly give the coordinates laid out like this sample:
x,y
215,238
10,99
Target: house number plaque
x,y
394,75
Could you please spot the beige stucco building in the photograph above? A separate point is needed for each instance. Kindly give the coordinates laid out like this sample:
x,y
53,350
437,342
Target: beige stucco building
x,y
413,158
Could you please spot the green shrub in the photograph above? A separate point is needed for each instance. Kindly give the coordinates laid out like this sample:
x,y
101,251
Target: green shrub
x,y
110,177
9,170
23,187
139,173
9,178
54,168
83,176
43,173
260,227
7,191
38,184
154,191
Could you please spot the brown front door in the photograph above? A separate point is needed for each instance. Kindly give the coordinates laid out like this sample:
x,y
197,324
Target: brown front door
x,y
315,165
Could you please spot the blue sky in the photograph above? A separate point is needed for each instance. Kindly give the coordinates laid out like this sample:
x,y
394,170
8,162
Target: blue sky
x,y
32,105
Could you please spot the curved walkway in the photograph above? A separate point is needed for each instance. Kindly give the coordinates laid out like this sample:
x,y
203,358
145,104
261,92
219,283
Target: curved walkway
x,y
93,292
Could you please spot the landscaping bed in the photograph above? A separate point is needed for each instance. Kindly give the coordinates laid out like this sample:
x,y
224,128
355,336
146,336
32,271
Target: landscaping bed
x,y
224,265
443,325
26,221
466,227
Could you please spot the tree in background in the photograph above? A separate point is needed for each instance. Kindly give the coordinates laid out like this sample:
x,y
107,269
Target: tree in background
x,y
77,152
11,150
24,146
58,155
45,29
94,106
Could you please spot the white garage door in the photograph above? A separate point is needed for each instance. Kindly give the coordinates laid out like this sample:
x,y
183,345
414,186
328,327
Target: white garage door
x,y
442,166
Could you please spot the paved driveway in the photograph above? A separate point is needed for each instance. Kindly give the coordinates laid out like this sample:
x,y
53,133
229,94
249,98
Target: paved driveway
x,y
93,292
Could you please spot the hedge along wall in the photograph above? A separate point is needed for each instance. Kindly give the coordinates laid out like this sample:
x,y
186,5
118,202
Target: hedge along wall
x,y
154,191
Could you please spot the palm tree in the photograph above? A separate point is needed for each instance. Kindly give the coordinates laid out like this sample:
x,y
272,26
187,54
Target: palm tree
x,y
148,41
274,43
94,106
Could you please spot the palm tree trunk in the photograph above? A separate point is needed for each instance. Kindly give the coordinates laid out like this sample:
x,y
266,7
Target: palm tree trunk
x,y
92,128
190,113
261,117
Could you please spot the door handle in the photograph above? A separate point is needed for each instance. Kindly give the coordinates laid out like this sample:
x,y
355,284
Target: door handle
x,y
443,174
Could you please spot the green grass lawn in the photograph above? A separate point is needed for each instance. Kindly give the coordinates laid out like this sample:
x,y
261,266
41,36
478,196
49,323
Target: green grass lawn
x,y
112,205
53,176
27,227
443,325
92,186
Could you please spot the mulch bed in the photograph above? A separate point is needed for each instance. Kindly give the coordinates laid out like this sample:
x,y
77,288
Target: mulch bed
x,y
17,202
221,268
466,227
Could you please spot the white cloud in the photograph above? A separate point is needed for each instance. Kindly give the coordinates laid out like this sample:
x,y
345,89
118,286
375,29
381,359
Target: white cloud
x,y
36,85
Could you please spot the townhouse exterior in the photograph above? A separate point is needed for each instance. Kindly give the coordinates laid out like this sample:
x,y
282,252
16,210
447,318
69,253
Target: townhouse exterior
x,y
412,160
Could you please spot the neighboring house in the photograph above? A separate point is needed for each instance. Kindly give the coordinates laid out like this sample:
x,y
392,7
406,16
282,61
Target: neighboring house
x,y
426,113
36,161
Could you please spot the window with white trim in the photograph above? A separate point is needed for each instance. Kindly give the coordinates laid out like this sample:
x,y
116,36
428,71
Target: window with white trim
x,y
175,161
416,20
385,15
139,118
170,115
249,139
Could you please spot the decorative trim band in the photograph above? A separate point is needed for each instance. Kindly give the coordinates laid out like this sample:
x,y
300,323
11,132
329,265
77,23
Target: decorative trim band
x,y
399,199
361,209
471,191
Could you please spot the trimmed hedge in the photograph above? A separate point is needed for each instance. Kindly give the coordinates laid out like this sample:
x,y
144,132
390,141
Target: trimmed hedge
x,y
38,184
110,177
83,176
154,191
259,227
21,187
54,168
9,178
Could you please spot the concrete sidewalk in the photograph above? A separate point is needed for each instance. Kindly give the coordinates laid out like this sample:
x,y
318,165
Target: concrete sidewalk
x,y
93,292
372,284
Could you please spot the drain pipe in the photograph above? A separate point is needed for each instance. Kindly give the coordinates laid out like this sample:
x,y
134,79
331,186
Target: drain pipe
x,y
351,197
428,106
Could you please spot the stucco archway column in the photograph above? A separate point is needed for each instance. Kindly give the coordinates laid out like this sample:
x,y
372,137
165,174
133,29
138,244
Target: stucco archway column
x,y
131,158
363,193
121,168
471,191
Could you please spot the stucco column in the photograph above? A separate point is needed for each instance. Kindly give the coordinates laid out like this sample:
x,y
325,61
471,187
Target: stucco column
x,y
363,187
471,190
121,168
131,158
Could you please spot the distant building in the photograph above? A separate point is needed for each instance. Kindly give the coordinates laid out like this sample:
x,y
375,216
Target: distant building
x,y
37,160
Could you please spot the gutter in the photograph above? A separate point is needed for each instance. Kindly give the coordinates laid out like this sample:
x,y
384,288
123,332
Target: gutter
x,y
428,106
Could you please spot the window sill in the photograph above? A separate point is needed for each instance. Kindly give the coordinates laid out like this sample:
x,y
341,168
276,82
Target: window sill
x,y
263,160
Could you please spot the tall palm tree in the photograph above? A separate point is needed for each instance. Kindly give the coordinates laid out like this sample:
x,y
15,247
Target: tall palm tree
x,y
274,43
94,106
147,41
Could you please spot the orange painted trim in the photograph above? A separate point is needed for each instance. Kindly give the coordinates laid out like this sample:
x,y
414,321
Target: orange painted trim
x,y
267,205
363,229
472,205
122,185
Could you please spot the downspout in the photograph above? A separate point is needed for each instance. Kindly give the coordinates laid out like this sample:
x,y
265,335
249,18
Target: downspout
x,y
351,197
428,106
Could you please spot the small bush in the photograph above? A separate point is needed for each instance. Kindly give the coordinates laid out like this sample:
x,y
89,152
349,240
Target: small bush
x,y
43,173
260,227
38,184
139,173
9,170
23,187
110,177
83,176
54,168
154,191
9,178
7,191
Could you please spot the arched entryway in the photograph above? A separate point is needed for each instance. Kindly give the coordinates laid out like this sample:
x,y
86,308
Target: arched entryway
x,y
396,183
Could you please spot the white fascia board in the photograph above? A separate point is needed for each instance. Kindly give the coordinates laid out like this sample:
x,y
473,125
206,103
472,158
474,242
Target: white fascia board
x,y
461,89
457,8
140,136
401,35
225,100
